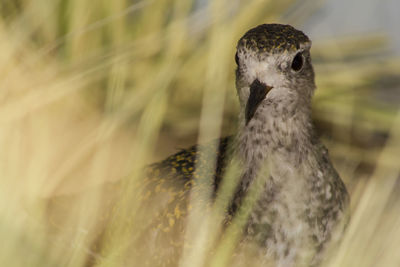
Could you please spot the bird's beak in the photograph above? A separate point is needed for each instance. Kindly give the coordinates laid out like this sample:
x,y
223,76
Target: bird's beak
x,y
258,91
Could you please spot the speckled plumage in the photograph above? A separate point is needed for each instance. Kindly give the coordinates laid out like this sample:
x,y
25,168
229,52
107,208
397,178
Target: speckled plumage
x,y
274,38
304,198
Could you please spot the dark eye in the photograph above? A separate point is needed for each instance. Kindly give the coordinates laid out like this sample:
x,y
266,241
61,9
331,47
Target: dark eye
x,y
237,59
297,62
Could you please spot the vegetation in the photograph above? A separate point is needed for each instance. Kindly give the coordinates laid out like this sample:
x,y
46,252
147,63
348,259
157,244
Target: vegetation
x,y
93,91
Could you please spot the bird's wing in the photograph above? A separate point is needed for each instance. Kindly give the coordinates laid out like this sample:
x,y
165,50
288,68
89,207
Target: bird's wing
x,y
155,208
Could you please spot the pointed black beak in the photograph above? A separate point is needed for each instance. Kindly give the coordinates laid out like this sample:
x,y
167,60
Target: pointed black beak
x,y
258,91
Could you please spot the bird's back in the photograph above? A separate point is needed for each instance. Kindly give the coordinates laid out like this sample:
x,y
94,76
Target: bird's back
x,y
164,194
150,211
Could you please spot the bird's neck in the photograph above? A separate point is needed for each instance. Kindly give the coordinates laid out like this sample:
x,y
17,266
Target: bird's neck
x,y
275,131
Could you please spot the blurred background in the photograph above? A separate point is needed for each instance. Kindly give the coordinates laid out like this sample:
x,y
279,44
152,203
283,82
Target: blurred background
x,y
92,91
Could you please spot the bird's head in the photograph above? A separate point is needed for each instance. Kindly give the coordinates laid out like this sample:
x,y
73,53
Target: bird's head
x,y
273,69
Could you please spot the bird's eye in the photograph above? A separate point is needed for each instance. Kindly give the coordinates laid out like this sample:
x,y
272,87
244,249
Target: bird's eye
x,y
237,59
297,62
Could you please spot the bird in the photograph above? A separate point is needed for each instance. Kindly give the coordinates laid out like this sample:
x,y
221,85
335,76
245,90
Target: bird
x,y
302,198
302,203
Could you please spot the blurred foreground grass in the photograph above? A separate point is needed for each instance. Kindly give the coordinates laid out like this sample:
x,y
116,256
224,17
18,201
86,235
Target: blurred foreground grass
x,y
91,92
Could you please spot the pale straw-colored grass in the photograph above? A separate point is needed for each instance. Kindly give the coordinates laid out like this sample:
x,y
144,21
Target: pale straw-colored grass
x,y
93,91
